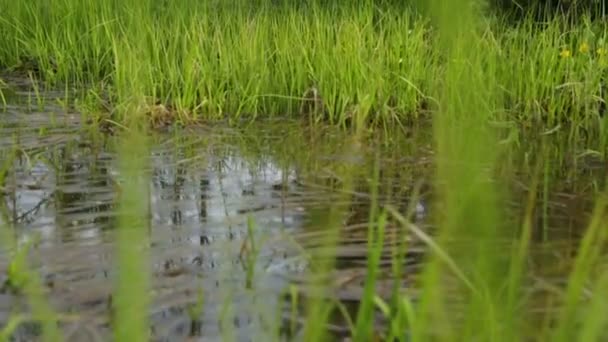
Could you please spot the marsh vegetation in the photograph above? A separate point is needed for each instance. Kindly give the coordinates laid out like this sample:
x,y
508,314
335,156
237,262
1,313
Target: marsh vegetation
x,y
302,170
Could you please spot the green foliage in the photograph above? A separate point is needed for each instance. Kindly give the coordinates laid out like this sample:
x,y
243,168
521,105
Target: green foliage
x,y
131,295
370,64
543,9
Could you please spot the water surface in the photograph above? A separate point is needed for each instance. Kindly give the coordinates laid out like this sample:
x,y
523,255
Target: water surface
x,y
206,184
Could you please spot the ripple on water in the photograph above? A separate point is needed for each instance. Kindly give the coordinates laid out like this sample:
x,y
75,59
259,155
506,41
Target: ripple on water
x,y
203,188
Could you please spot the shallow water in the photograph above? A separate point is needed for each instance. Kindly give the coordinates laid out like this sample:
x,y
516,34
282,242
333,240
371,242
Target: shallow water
x,y
205,183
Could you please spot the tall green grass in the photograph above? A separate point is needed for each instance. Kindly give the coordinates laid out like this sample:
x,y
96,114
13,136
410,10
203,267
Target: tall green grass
x,y
257,59
131,295
467,267
240,60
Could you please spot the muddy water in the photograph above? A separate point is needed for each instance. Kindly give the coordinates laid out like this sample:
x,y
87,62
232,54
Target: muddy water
x,y
206,184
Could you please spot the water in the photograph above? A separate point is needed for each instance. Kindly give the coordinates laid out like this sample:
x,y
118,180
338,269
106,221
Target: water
x,y
205,184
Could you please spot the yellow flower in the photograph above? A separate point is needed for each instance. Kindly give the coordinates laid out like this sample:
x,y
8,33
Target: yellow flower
x,y
565,53
601,51
584,48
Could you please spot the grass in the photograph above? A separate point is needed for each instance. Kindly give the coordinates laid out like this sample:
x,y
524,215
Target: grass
x,y
21,279
376,62
131,288
371,64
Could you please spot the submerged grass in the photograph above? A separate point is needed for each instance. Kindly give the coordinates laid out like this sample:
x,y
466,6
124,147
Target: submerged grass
x,y
473,287
20,278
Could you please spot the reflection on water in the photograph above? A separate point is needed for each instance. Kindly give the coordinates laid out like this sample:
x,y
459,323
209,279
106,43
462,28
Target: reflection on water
x,y
198,227
204,186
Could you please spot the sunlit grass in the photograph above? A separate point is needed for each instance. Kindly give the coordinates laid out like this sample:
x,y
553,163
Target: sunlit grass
x,y
369,64
376,62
